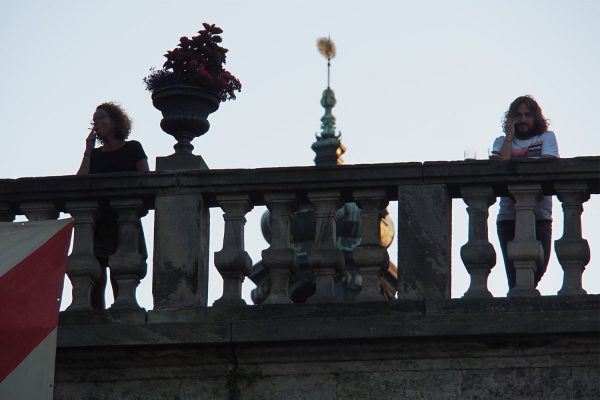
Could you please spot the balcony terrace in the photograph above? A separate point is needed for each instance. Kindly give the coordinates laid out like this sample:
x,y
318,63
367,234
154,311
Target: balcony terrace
x,y
473,347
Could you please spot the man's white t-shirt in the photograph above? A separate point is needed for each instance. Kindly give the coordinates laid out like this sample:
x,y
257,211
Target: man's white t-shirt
x,y
534,147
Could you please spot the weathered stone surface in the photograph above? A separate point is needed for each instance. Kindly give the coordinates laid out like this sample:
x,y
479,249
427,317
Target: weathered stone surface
x,y
39,210
6,213
572,250
422,385
183,162
424,242
426,368
254,385
421,348
525,251
478,254
83,269
232,261
280,259
159,389
128,263
523,348
389,176
181,237
104,317
531,383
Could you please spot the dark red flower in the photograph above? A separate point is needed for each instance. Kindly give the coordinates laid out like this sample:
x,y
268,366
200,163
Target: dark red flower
x,y
203,73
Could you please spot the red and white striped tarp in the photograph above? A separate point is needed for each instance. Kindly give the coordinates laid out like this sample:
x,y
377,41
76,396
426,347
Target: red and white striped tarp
x,y
33,259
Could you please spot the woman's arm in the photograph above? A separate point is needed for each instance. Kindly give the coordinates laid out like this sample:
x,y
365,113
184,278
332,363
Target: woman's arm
x,y
84,168
142,165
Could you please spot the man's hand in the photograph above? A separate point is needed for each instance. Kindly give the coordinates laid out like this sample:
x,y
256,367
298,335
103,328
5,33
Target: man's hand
x,y
505,151
510,129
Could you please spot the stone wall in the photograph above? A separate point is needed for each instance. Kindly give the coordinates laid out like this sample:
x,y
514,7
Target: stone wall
x,y
537,348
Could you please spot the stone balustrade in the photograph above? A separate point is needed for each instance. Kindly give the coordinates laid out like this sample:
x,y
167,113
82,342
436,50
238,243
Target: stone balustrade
x,y
423,191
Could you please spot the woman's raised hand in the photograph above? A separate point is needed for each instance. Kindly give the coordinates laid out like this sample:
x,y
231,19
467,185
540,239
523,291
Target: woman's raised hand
x,y
90,141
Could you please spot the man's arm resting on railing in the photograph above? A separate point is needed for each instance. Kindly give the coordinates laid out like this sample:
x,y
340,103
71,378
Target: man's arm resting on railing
x,y
505,152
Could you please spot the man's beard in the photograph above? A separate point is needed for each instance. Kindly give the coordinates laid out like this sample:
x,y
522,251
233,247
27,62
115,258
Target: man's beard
x,y
523,131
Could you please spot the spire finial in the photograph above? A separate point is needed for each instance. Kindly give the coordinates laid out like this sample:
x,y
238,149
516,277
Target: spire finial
x,y
329,147
327,49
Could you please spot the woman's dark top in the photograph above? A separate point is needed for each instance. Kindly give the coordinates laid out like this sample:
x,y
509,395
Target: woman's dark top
x,y
120,160
106,237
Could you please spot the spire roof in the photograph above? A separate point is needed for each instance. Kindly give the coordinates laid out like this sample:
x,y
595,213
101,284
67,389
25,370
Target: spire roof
x,y
328,146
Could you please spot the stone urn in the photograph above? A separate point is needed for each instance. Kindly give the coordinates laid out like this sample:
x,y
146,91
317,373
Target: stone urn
x,y
185,110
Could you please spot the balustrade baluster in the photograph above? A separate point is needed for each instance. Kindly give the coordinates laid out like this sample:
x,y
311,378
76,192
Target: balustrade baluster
x,y
370,256
324,258
128,263
233,262
83,269
525,251
572,250
478,254
39,210
280,258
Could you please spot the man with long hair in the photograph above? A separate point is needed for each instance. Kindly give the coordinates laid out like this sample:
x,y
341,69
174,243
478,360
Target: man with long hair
x,y
526,135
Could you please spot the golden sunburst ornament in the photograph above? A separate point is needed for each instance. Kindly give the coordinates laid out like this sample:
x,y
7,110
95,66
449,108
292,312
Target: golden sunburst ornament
x,y
326,47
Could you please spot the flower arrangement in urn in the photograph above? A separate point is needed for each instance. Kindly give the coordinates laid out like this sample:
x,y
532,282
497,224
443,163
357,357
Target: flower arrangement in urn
x,y
197,61
190,86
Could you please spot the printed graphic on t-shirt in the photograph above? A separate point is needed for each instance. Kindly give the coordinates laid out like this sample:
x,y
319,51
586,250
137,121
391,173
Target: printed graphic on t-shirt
x,y
534,150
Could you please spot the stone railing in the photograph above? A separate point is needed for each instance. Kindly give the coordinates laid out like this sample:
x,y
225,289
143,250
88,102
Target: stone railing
x,y
424,192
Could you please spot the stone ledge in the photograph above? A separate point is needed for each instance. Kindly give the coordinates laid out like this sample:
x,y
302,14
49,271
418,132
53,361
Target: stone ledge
x,y
301,179
280,323
109,316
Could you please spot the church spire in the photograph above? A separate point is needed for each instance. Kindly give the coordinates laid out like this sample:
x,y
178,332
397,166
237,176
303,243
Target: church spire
x,y
328,147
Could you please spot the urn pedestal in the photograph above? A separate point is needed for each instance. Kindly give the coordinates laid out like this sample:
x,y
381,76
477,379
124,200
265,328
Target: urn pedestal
x,y
182,217
185,110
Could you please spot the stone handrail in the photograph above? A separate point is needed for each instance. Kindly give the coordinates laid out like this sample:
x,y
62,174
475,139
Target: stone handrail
x,y
182,200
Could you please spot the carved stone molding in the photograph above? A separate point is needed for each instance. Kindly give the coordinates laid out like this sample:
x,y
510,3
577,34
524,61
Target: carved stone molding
x,y
572,250
280,258
525,251
233,262
478,254
83,269
370,256
324,258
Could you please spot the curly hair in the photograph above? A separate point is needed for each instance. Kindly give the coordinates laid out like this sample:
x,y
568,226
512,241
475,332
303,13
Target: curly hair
x,y
541,123
119,117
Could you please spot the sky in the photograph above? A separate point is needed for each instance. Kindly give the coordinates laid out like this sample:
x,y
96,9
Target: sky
x,y
414,81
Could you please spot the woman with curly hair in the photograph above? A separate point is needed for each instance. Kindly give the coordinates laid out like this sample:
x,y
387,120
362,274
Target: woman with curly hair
x,y
111,127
